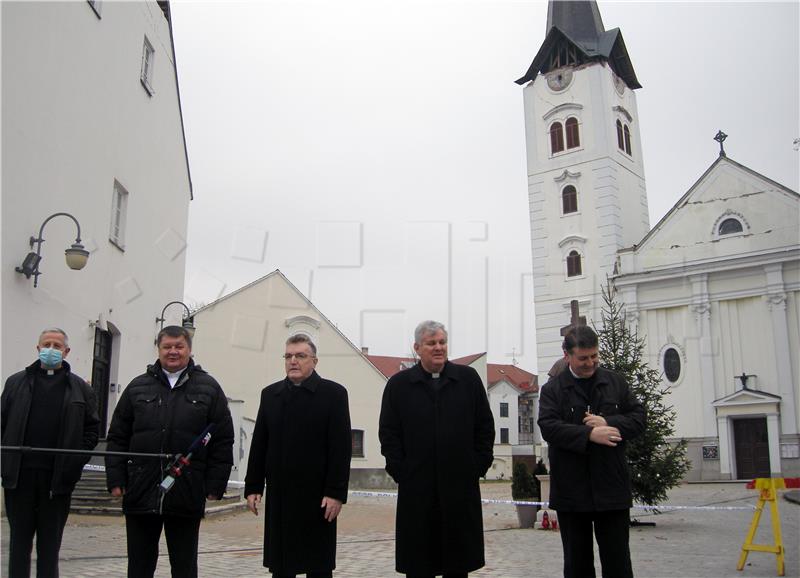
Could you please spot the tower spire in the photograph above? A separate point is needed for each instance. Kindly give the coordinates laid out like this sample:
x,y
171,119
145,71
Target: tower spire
x,y
578,19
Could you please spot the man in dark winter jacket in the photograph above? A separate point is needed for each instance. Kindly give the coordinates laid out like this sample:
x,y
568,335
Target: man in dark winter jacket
x,y
586,413
437,435
301,450
47,406
165,410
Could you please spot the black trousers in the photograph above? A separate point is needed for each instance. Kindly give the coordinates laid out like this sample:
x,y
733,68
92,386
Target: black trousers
x,y
611,529
32,511
144,532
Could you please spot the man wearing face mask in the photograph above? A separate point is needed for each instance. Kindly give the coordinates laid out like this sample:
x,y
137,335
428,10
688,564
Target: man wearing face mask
x,y
48,406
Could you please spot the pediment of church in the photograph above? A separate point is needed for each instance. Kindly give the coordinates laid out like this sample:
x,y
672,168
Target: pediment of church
x,y
746,397
729,212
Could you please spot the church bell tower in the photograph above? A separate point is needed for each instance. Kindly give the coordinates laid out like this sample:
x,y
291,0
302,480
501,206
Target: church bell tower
x,y
586,187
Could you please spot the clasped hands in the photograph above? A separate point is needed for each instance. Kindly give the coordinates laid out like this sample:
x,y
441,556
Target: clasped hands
x,y
601,433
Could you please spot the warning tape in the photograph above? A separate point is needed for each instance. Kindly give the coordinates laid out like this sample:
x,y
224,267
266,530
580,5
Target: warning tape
x,y
662,507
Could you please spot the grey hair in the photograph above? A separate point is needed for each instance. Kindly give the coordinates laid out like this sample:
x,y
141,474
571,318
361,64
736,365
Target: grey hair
x,y
303,338
55,330
427,327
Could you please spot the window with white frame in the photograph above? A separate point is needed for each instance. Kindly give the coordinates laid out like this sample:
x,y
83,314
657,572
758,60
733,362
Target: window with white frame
x,y
503,409
119,211
148,58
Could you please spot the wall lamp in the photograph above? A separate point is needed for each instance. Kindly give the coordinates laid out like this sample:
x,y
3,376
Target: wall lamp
x,y
188,319
76,255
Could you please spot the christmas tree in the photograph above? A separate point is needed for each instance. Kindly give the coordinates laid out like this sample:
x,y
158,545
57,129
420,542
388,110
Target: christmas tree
x,y
656,463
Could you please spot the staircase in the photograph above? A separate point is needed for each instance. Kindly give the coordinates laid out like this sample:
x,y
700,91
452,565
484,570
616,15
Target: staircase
x,y
91,497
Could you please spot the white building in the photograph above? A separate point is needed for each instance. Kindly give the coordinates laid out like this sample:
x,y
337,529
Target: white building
x,y
513,396
240,340
92,126
714,288
585,176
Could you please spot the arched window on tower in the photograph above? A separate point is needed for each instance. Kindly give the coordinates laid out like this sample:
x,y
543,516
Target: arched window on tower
x,y
556,138
569,199
730,226
573,264
573,136
627,139
620,138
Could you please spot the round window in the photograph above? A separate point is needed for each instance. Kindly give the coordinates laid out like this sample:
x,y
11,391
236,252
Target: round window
x,y
672,364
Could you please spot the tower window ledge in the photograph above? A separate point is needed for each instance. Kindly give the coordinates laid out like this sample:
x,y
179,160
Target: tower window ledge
x,y
572,214
565,152
574,277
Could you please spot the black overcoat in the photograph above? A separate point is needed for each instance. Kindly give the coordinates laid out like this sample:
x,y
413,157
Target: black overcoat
x,y
585,476
437,444
301,448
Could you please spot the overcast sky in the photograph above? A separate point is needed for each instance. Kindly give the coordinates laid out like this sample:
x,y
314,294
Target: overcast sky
x,y
374,151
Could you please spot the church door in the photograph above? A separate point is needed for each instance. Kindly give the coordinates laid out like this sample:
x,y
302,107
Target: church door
x,y
751,444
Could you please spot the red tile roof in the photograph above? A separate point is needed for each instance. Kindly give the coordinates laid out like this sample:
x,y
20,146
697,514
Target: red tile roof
x,y
523,380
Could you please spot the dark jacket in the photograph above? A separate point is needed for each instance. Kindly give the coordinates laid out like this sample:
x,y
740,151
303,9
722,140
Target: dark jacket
x,y
301,448
586,476
151,417
437,444
78,430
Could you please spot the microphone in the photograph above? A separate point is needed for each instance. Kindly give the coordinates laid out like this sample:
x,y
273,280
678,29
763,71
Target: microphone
x,y
180,461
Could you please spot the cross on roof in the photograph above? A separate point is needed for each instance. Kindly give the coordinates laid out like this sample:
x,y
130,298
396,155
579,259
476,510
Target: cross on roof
x,y
720,138
576,318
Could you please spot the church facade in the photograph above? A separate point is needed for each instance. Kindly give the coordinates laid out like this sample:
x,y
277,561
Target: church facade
x,y
713,287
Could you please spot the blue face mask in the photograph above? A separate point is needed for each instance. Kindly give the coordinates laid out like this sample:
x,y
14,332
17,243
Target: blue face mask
x,y
50,357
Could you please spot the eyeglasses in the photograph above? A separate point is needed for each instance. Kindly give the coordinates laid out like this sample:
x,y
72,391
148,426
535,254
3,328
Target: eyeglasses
x,y
298,356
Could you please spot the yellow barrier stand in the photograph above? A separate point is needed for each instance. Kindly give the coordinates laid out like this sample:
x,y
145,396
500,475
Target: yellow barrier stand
x,y
767,487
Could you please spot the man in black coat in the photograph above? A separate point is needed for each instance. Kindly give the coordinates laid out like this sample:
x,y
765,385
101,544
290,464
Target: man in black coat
x,y
586,413
47,406
301,449
437,434
165,410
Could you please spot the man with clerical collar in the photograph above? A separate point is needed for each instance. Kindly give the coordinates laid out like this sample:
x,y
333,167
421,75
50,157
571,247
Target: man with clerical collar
x,y
437,435
44,406
586,414
300,450
165,410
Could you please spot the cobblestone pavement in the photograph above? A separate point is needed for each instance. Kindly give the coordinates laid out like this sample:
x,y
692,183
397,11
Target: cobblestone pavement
x,y
684,543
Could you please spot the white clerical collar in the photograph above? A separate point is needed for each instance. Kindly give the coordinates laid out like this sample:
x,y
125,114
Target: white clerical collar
x,y
172,377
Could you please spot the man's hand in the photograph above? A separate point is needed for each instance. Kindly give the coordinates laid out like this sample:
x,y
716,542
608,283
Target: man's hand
x,y
253,500
117,492
605,435
212,498
593,420
332,508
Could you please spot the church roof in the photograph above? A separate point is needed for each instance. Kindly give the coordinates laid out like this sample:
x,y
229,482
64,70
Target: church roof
x,y
579,23
686,198
521,379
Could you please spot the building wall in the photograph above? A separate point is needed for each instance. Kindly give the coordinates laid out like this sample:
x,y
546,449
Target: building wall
x,y
75,119
728,306
240,339
504,392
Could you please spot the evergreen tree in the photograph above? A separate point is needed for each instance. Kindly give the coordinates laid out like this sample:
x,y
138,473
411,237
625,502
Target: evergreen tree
x,y
656,464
